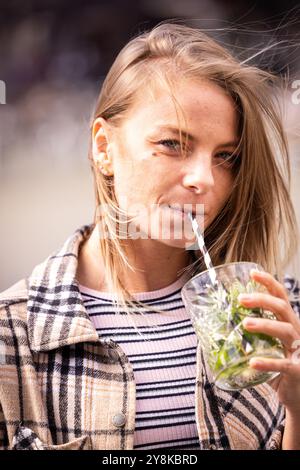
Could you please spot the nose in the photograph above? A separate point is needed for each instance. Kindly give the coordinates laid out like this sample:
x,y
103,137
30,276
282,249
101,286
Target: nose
x,y
198,176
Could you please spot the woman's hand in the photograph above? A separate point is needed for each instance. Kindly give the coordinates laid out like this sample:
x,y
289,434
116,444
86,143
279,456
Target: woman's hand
x,y
286,329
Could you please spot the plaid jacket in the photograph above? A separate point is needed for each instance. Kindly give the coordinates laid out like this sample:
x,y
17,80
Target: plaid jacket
x,y
63,387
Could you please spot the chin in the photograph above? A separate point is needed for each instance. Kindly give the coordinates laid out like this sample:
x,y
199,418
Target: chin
x,y
182,243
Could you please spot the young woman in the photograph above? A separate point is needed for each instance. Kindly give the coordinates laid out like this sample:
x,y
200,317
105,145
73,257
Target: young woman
x,y
97,349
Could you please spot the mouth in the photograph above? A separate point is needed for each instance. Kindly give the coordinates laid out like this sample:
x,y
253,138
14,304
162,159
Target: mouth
x,y
184,212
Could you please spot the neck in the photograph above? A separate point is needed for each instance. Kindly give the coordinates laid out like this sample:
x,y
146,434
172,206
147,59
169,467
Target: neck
x,y
155,265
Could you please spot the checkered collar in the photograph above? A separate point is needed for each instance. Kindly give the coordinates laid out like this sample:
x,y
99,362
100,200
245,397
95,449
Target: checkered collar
x,y
55,309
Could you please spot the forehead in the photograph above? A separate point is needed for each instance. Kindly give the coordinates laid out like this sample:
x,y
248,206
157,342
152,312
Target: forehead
x,y
188,103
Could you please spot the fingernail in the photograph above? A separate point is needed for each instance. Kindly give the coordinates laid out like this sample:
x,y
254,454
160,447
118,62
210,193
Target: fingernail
x,y
256,362
249,322
257,271
243,297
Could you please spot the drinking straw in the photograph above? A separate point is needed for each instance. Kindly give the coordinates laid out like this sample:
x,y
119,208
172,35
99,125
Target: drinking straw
x,y
213,277
207,259
210,268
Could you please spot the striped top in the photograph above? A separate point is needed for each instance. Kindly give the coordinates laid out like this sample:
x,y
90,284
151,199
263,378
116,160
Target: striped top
x,y
163,358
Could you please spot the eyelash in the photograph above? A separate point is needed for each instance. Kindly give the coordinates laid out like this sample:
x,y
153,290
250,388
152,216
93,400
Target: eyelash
x,y
172,141
165,142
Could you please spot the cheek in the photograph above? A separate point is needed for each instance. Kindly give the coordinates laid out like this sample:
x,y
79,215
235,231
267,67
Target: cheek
x,y
136,172
131,186
223,187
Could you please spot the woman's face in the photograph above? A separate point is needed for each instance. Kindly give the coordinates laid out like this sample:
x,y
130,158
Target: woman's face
x,y
150,172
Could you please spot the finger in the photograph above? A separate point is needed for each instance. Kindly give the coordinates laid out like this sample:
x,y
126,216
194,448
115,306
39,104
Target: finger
x,y
274,287
284,366
281,308
285,332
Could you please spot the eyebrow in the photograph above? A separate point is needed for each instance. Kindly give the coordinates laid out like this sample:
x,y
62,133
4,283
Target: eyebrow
x,y
175,131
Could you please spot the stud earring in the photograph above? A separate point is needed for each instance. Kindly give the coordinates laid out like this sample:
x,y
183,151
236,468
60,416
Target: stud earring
x,y
102,166
105,171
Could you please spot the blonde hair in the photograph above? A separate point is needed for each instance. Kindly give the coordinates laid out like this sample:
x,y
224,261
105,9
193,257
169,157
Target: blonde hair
x,y
258,222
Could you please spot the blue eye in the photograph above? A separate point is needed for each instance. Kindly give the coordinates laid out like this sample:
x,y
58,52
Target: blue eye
x,y
170,144
228,157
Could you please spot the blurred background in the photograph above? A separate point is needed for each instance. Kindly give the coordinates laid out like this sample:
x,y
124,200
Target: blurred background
x,y
54,55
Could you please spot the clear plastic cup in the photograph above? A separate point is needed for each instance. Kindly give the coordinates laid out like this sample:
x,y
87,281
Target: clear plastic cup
x,y
217,318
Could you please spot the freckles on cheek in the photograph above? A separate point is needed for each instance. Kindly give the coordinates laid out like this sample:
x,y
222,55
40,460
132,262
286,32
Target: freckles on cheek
x,y
224,185
147,156
220,195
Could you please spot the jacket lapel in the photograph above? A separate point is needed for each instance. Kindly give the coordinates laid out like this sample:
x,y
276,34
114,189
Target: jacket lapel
x,y
56,313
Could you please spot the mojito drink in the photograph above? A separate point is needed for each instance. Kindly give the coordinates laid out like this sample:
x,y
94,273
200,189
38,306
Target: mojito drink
x,y
217,318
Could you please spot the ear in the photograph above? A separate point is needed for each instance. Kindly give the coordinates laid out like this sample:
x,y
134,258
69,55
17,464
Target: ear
x,y
99,136
101,147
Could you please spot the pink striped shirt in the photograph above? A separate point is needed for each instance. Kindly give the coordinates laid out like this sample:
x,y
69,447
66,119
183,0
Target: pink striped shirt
x,y
163,361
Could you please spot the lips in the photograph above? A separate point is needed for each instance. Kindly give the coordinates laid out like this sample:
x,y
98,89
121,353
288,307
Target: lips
x,y
186,211
178,211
